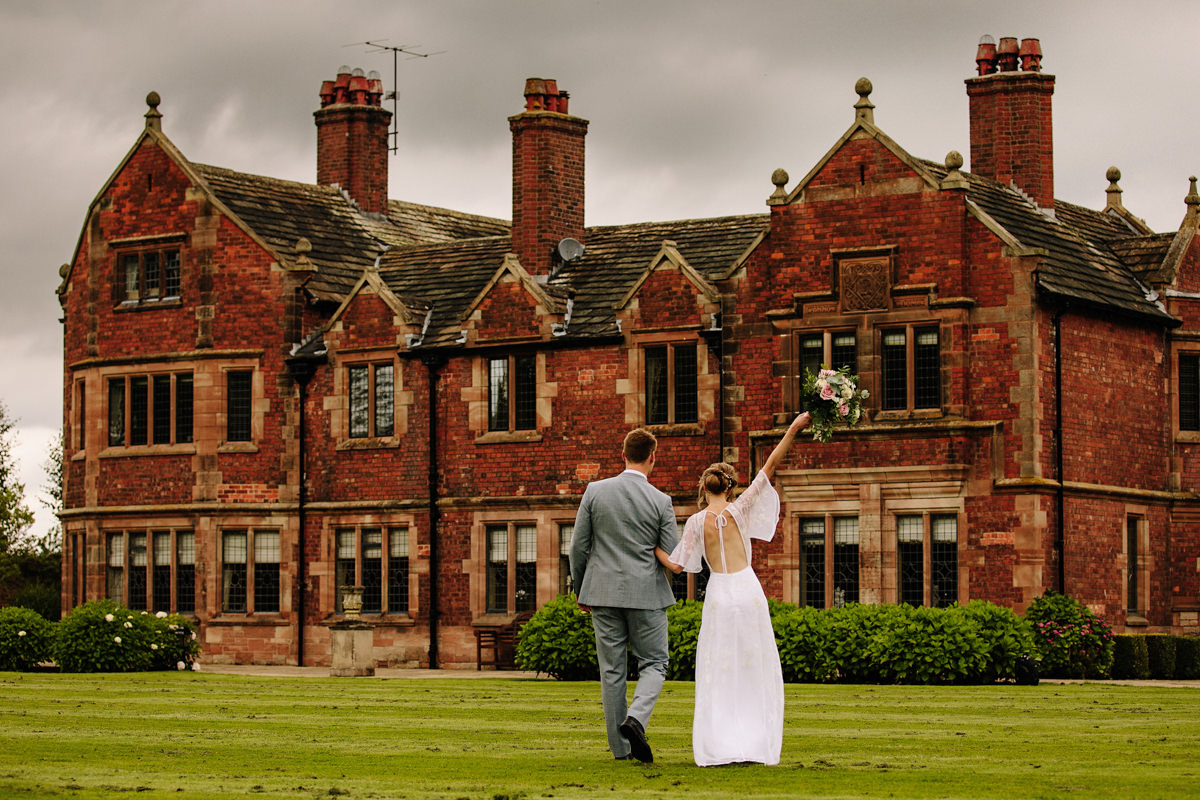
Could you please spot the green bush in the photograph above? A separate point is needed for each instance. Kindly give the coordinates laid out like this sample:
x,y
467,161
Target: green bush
x,y
1072,642
850,632
929,645
802,634
1187,658
683,633
103,636
25,639
559,641
1130,657
1160,651
1006,639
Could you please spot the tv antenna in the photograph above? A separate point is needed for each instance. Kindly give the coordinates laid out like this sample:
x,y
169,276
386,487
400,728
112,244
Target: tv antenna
x,y
380,47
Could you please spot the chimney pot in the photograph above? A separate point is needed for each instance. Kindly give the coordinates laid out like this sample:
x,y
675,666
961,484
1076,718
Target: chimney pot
x,y
1006,54
1031,55
985,55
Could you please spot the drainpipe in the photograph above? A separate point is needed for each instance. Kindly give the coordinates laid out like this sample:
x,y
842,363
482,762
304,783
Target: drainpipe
x,y
1060,533
433,362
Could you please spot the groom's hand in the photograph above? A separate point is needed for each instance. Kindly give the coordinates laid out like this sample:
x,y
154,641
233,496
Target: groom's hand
x,y
584,609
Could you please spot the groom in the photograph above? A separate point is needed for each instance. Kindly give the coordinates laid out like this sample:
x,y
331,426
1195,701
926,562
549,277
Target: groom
x,y
618,578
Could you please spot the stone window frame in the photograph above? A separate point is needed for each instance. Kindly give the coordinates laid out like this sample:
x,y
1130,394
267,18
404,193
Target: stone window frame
x,y
829,520
126,297
476,398
516,374
339,402
259,404
928,546
126,535
911,410
1177,388
387,525
547,522
106,378
1138,516
634,386
252,531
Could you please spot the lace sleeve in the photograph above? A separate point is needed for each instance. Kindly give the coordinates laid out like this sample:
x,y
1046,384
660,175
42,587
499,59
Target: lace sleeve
x,y
690,550
759,506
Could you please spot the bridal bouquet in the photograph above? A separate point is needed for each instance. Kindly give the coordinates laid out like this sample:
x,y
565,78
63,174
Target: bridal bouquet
x,y
831,395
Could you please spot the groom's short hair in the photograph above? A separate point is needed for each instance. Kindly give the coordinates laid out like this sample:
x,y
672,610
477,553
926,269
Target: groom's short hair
x,y
640,444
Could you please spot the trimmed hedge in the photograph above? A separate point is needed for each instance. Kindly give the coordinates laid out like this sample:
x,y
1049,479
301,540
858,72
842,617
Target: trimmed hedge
x,y
25,639
1187,658
976,643
1131,658
1160,650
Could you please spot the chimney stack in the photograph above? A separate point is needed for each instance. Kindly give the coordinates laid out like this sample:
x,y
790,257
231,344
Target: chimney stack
x,y
352,138
1011,125
548,175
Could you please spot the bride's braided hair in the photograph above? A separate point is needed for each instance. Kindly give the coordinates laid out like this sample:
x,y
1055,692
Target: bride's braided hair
x,y
719,478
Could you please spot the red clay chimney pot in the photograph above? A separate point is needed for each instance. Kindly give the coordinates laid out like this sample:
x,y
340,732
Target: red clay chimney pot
x,y
1031,55
1006,54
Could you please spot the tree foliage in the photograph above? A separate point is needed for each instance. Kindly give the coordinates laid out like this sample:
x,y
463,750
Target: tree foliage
x,y
15,516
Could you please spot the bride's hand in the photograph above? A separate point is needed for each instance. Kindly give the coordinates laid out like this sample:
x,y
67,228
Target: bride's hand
x,y
801,422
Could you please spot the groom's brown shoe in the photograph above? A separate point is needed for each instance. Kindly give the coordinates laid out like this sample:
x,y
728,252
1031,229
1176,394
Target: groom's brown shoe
x,y
639,748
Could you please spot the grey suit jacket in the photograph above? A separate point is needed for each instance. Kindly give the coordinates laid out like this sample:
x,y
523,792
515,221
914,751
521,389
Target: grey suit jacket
x,y
620,522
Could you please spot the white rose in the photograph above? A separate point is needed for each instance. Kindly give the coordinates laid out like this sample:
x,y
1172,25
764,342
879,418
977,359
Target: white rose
x,y
161,615
117,639
20,633
108,617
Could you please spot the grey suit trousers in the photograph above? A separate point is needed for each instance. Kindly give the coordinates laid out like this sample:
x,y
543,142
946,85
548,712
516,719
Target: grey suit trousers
x,y
619,631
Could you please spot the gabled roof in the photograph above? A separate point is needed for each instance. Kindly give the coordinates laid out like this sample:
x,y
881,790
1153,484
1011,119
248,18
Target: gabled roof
x,y
1076,260
450,277
344,240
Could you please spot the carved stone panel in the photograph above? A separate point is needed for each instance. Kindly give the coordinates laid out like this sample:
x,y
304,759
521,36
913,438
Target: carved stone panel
x,y
864,284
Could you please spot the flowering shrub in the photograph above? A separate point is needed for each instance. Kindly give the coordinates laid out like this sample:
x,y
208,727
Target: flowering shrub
x,y
829,396
25,639
1071,640
103,636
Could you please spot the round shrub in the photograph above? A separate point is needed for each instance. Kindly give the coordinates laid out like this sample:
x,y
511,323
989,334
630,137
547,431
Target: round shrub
x,y
1005,637
1072,642
103,636
173,642
929,645
559,641
25,639
683,634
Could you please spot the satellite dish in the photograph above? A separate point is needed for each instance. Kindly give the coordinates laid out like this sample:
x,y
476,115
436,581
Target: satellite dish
x,y
570,250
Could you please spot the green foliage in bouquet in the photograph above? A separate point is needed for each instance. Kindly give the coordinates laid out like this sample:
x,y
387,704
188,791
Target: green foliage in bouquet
x,y
25,639
831,396
559,641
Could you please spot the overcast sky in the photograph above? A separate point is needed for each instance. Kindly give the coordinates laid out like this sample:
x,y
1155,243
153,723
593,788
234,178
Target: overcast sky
x,y
692,103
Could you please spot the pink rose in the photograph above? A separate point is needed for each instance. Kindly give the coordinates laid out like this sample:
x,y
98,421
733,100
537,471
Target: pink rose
x,y
827,373
827,392
844,410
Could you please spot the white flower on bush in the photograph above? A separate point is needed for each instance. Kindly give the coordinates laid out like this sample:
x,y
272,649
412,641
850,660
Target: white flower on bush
x,y
161,614
195,667
128,624
20,633
180,665
193,636
173,626
117,639
153,647
108,617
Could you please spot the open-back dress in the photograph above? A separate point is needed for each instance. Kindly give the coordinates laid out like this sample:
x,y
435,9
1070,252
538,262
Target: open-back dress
x,y
739,683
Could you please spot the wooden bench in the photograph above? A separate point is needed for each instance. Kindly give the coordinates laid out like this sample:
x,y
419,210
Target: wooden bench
x,y
500,641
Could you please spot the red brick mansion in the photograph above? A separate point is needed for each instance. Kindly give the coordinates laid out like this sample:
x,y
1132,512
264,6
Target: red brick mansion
x,y
275,389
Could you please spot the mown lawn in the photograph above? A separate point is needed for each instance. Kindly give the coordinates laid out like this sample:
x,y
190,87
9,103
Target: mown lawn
x,y
197,735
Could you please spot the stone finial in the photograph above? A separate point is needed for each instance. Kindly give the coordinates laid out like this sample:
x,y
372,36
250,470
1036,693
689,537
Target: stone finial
x,y
1113,191
153,116
780,178
954,178
1193,197
302,248
864,109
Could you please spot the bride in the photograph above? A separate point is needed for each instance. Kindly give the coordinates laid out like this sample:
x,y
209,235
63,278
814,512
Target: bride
x,y
739,683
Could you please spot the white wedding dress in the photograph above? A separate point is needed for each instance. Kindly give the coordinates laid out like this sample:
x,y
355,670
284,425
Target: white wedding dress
x,y
739,683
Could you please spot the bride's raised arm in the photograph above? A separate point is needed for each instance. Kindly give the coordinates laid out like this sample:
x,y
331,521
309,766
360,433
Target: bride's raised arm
x,y
801,422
